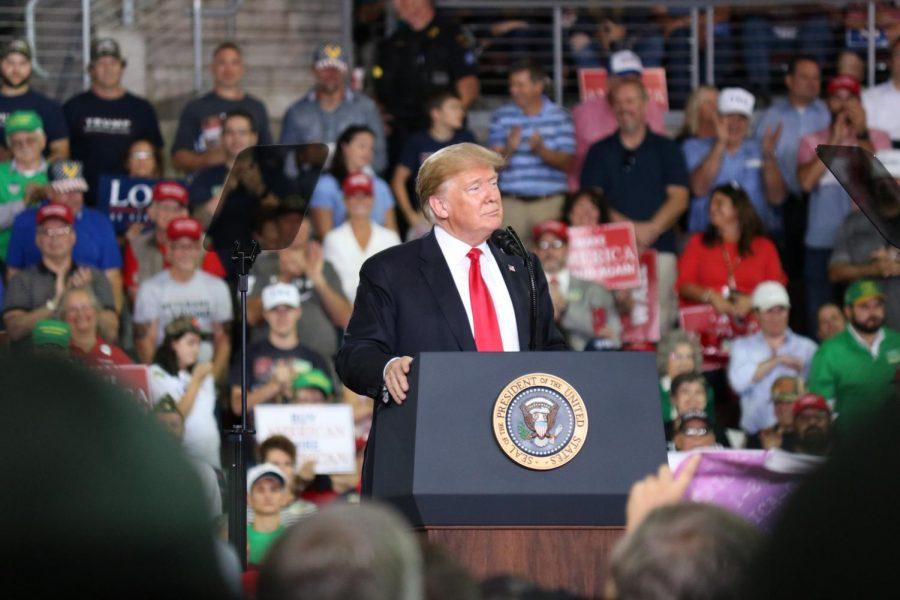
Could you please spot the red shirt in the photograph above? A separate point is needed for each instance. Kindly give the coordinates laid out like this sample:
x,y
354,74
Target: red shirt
x,y
211,264
708,266
103,354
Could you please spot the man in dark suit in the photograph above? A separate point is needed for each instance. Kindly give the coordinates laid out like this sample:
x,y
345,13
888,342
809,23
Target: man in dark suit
x,y
452,289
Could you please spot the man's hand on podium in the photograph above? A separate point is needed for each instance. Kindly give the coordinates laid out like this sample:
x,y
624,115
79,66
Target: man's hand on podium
x,y
395,377
658,490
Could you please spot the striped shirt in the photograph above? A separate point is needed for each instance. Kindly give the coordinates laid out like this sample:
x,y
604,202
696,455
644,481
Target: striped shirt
x,y
526,174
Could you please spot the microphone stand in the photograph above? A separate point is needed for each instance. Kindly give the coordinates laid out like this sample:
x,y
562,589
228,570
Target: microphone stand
x,y
509,242
240,433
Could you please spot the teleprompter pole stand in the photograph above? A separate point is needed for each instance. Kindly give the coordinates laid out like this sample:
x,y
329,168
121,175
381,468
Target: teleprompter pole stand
x,y
238,434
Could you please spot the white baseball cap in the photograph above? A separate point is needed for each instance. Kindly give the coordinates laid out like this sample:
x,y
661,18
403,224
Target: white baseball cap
x,y
736,101
256,473
770,294
280,294
625,62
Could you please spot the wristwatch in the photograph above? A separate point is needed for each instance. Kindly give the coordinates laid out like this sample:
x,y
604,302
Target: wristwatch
x,y
51,305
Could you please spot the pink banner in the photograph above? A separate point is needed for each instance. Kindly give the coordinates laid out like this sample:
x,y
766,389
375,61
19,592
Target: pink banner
x,y
593,83
754,484
640,329
606,254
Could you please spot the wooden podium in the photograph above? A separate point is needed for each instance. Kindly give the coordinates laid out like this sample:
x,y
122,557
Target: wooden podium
x,y
575,559
439,458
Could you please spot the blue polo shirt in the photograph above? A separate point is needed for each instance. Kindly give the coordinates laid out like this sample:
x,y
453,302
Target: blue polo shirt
x,y
744,167
95,245
328,194
795,123
526,174
635,181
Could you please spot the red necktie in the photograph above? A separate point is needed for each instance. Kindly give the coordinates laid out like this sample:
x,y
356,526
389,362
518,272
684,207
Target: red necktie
x,y
484,317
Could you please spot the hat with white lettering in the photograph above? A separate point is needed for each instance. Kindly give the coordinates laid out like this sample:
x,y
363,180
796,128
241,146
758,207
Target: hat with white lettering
x,y
170,190
67,176
357,184
184,227
55,211
556,228
736,101
330,56
280,294
625,62
770,294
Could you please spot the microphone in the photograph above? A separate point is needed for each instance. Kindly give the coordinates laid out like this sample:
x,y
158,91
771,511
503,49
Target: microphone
x,y
508,241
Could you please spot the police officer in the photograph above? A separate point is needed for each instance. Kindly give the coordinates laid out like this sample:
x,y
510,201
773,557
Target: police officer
x,y
429,54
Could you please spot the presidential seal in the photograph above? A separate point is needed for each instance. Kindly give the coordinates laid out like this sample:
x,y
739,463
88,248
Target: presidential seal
x,y
540,421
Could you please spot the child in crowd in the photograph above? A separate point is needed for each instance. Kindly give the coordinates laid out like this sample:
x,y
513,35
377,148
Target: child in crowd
x,y
280,451
447,115
265,493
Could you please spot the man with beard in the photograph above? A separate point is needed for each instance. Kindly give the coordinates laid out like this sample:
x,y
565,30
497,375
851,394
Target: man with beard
x,y
856,368
812,425
16,94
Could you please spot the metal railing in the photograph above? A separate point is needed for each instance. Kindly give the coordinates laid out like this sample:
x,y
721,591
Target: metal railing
x,y
709,48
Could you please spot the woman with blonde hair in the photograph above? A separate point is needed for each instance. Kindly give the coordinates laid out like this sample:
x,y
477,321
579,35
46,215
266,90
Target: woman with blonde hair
x,y
700,114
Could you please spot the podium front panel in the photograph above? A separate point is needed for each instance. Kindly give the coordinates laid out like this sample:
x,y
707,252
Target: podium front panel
x,y
437,459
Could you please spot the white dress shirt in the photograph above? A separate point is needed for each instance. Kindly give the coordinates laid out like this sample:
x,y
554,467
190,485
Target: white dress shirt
x,y
881,102
344,253
747,353
455,251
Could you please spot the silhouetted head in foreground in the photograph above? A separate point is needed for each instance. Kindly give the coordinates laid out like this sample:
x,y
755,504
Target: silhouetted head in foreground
x,y
98,501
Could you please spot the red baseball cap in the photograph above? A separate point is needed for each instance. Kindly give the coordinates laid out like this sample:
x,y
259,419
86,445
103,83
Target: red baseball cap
x,y
184,227
844,82
357,183
557,228
808,401
55,211
170,190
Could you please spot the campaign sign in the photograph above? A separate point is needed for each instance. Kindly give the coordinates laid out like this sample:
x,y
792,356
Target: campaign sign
x,y
754,484
715,332
606,254
321,432
124,199
594,82
640,328
134,379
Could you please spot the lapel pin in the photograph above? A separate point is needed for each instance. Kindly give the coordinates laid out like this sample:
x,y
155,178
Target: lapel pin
x,y
512,268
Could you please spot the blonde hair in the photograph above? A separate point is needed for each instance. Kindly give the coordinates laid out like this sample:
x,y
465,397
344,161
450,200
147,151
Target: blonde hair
x,y
449,162
692,110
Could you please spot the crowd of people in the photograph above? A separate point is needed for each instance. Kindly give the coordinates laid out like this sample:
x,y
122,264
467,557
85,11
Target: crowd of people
x,y
738,215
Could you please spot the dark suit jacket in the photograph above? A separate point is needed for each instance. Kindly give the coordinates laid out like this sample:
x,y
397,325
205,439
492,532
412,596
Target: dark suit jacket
x,y
407,303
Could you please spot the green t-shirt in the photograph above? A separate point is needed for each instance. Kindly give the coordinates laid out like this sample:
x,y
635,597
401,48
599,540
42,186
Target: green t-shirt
x,y
12,189
845,371
260,542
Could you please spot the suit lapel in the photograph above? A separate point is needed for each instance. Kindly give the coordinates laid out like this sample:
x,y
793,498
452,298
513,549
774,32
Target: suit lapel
x,y
434,269
517,284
